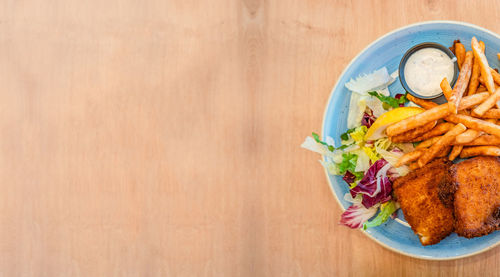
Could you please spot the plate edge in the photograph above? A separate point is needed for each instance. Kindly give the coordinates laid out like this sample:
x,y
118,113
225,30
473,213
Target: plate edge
x,y
323,128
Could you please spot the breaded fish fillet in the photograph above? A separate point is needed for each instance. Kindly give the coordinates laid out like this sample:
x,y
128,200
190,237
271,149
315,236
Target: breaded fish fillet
x,y
426,198
477,199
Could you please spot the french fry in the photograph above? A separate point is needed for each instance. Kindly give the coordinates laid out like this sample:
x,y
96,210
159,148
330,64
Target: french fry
x,y
495,75
472,100
462,82
440,129
476,70
460,53
480,151
484,140
410,135
413,166
455,151
467,136
418,120
483,64
481,88
475,123
452,48
498,56
446,88
409,157
421,102
428,142
492,113
430,115
444,152
487,104
481,80
467,112
445,141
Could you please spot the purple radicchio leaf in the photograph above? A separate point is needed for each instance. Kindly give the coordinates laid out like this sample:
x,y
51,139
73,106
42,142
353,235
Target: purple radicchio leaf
x,y
375,186
356,215
349,177
368,118
398,96
396,150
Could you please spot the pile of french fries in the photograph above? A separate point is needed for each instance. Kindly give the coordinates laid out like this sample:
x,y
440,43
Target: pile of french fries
x,y
465,126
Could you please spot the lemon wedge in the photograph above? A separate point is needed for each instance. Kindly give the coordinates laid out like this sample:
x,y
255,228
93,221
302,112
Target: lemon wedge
x,y
377,129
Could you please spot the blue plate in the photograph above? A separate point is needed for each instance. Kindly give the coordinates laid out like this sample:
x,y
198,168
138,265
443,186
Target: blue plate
x,y
387,51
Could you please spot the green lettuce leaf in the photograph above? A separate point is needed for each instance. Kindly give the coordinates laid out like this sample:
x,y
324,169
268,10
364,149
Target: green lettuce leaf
x,y
345,136
358,135
330,147
316,138
391,101
386,210
348,163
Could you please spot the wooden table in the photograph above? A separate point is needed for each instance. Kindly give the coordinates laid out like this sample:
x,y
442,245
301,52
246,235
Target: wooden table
x,y
161,138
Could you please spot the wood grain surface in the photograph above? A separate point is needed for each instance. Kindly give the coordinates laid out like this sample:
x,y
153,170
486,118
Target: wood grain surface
x,y
161,138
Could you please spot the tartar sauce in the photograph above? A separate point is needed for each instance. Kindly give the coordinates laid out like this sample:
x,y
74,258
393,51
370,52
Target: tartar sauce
x,y
426,68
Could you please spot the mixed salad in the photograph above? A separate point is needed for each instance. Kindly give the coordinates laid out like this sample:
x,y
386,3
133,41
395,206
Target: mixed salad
x,y
365,156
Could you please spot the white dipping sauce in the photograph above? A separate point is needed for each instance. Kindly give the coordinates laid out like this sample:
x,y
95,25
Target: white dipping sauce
x,y
425,69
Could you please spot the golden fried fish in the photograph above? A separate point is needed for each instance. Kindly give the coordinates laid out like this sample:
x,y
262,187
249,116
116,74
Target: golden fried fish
x,y
477,198
426,199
